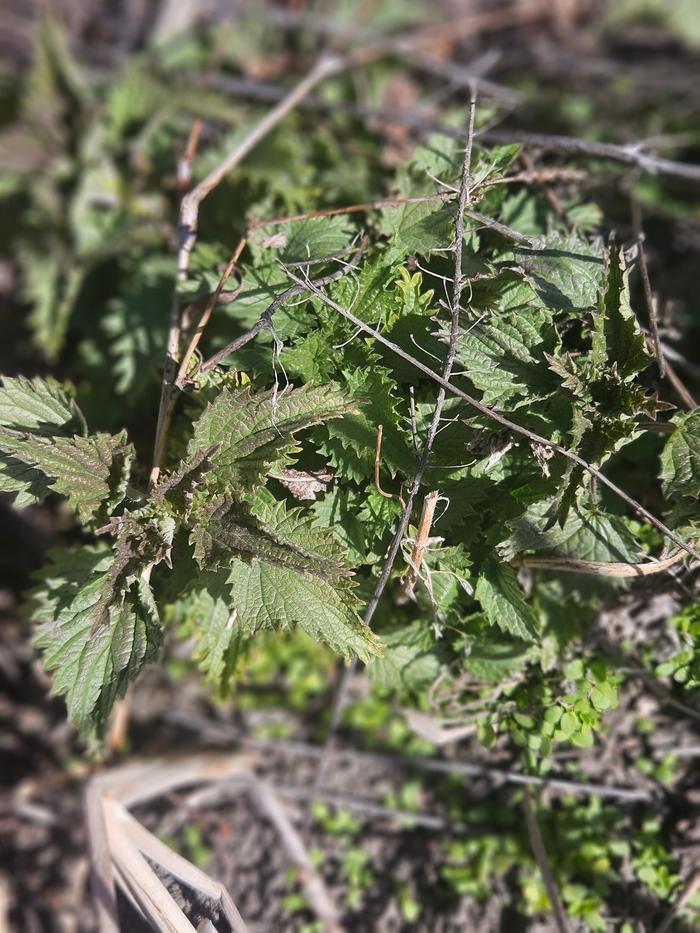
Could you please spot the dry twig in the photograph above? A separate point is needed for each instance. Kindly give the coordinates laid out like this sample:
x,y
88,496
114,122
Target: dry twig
x,y
688,891
573,146
598,568
420,544
540,853
266,317
187,228
506,422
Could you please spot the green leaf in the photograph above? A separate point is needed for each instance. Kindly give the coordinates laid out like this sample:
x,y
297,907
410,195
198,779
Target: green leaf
x,y
352,441
495,658
40,406
680,458
222,530
91,472
285,570
266,596
246,434
136,328
618,342
565,273
499,593
51,284
338,510
505,356
96,632
38,455
308,240
418,228
372,292
587,534
207,607
411,660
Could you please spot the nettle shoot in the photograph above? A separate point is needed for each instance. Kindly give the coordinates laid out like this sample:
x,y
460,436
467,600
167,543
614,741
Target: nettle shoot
x,y
464,346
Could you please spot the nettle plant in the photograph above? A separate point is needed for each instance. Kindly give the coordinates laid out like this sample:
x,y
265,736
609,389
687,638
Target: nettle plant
x,y
516,536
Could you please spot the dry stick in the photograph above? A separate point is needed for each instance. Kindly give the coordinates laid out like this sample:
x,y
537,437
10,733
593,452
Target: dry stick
x,y
378,204
265,318
318,896
501,419
564,145
207,313
599,568
184,167
226,733
536,177
540,853
457,287
679,387
187,229
377,467
421,542
550,195
687,892
646,284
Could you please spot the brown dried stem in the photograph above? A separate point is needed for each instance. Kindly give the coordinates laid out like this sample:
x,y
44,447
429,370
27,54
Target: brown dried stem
x,y
420,544
540,853
631,154
598,568
187,228
212,301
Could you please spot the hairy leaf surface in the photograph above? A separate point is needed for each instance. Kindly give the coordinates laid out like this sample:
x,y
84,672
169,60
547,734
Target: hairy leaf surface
x,y
502,599
680,459
95,633
248,433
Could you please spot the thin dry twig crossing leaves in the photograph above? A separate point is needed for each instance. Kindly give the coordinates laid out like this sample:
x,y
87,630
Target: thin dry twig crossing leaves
x,y
266,317
540,853
187,227
506,422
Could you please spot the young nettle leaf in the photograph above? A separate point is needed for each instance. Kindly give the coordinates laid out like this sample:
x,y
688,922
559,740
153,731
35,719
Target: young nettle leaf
x,y
680,458
502,599
494,657
352,441
372,293
177,490
38,455
246,434
267,596
40,406
207,607
421,228
302,241
222,529
338,510
618,342
411,659
96,629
